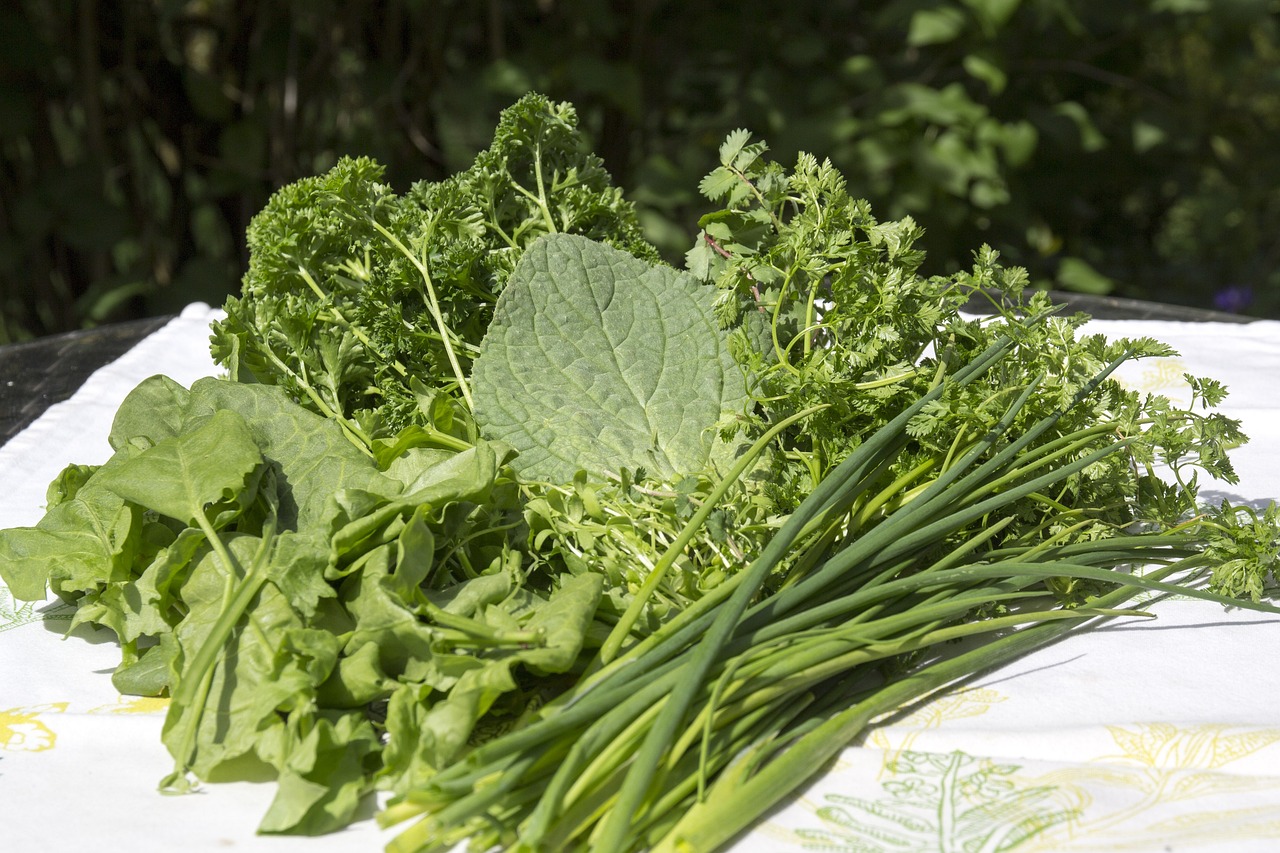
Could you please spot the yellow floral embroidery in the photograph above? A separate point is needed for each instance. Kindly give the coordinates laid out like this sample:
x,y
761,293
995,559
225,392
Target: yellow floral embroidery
x,y
134,705
1167,746
1157,376
21,730
954,705
1162,766
1164,374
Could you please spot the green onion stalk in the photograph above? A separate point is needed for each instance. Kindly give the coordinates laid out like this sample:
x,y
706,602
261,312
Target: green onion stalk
x,y
680,740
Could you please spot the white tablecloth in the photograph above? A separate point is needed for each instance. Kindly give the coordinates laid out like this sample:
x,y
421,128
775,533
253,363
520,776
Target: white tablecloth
x,y
1140,736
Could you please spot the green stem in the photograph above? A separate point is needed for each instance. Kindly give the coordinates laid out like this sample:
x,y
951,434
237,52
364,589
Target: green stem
x,y
542,189
777,223
192,690
336,313
712,822
350,429
433,306
622,630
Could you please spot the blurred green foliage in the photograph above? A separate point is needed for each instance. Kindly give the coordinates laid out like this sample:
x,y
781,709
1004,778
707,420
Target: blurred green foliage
x,y
1124,148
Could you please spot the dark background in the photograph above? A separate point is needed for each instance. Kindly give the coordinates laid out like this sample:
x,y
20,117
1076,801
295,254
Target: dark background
x,y
1131,149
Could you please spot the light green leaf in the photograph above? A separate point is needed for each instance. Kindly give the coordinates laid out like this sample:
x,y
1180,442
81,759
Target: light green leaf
x,y
68,483
719,183
147,676
598,361
1077,275
269,664
151,411
415,554
470,596
297,570
563,622
182,474
733,145
316,458
436,480
1018,141
79,545
1091,138
324,778
427,735
993,13
405,644
981,68
1147,136
935,26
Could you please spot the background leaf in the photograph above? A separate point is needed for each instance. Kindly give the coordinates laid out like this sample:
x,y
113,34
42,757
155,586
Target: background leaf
x,y
244,98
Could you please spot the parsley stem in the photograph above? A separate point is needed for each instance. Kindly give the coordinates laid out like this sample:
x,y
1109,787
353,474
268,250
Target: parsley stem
x,y
359,333
542,189
540,197
349,428
433,305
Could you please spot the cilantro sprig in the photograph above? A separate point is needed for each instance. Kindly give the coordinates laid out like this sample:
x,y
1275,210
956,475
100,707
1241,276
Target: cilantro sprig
x,y
826,306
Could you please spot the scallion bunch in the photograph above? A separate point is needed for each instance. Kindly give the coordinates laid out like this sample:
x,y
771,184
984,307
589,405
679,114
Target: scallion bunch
x,y
682,740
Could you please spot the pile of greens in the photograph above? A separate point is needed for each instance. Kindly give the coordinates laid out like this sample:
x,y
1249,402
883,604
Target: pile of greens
x,y
566,548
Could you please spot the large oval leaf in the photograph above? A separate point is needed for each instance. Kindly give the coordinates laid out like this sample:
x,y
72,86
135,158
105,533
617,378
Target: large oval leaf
x,y
596,361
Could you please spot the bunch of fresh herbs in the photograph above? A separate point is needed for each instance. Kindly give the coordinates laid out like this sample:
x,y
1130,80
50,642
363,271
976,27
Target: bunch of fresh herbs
x,y
569,549
358,301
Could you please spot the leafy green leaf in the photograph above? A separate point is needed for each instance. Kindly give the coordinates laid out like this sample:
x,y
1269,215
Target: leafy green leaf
x,y
183,474
316,458
935,26
436,479
151,411
427,735
599,361
324,777
1076,274
80,545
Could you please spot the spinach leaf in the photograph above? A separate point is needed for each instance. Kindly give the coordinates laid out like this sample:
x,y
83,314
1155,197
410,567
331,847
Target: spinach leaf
x,y
152,410
78,546
426,733
325,776
314,456
181,475
597,361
